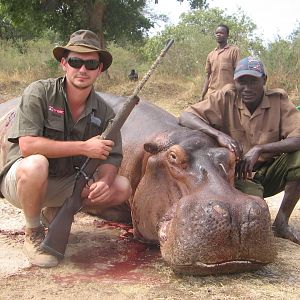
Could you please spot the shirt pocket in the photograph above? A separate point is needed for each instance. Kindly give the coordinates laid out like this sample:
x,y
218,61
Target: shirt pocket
x,y
54,130
269,137
226,67
238,134
58,167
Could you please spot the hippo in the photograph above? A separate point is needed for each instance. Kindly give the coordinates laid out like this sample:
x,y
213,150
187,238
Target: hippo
x,y
183,197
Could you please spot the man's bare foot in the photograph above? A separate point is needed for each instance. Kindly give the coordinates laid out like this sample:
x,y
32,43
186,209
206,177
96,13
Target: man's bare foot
x,y
287,232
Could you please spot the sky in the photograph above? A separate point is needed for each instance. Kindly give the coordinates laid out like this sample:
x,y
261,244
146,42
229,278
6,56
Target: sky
x,y
273,17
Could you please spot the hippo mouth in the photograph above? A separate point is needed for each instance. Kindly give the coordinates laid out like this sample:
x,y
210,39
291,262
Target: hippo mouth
x,y
215,237
202,269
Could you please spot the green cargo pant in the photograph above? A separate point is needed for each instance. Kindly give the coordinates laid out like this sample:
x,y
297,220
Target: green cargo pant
x,y
271,178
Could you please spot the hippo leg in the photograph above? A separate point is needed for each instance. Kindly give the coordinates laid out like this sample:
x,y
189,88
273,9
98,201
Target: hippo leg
x,y
120,213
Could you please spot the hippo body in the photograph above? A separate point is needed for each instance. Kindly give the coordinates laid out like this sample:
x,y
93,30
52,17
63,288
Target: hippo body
x,y
183,195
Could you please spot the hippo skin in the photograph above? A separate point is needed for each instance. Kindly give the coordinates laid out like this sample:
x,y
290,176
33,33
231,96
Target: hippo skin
x,y
183,195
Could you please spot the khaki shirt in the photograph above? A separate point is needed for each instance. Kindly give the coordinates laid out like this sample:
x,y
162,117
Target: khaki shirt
x,y
220,65
276,118
44,111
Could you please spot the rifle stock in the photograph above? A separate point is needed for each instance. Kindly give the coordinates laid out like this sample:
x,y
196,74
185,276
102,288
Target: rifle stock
x,y
57,237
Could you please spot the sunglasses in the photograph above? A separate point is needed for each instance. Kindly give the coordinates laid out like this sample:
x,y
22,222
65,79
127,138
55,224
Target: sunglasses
x,y
77,63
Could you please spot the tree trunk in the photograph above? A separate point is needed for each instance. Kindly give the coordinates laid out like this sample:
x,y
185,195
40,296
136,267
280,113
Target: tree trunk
x,y
96,12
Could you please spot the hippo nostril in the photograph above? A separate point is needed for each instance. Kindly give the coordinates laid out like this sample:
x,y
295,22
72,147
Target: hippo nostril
x,y
218,220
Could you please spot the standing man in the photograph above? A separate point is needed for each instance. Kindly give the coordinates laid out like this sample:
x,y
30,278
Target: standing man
x,y
262,128
220,63
54,131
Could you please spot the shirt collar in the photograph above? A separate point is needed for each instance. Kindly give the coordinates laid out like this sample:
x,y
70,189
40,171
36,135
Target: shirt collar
x,y
225,47
92,100
265,103
91,103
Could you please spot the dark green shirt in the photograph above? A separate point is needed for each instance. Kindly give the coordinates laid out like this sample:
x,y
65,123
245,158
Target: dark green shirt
x,y
44,111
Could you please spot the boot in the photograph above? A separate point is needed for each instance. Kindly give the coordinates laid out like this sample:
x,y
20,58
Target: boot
x,y
35,255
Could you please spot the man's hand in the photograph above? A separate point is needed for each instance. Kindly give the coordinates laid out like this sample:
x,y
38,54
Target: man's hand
x,y
97,148
98,193
245,166
228,142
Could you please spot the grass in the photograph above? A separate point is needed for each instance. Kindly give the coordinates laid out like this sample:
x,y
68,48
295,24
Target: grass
x,y
24,62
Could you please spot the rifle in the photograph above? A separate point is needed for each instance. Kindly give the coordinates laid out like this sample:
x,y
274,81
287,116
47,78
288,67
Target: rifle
x,y
57,237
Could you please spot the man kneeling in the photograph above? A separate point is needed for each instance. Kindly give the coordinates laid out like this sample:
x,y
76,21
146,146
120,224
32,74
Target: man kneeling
x,y
262,128
54,131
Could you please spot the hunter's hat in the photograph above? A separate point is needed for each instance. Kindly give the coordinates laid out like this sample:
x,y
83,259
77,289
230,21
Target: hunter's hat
x,y
84,41
249,66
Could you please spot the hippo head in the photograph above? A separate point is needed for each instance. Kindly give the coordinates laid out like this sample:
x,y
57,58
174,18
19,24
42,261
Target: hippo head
x,y
186,200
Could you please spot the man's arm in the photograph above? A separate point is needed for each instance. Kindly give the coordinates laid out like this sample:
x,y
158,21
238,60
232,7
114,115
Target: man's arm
x,y
236,57
208,72
289,144
247,164
205,87
93,148
190,120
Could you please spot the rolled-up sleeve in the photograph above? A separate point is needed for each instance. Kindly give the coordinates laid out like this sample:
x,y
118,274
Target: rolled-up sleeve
x,y
210,110
208,69
30,114
236,56
290,119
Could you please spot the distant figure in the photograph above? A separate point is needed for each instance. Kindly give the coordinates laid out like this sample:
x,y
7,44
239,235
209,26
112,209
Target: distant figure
x,y
220,63
133,75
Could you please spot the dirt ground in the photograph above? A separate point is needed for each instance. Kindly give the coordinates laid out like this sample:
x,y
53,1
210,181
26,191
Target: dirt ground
x,y
104,262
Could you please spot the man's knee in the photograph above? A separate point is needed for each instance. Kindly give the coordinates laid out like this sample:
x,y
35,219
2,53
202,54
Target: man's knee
x,y
33,167
122,189
293,166
116,210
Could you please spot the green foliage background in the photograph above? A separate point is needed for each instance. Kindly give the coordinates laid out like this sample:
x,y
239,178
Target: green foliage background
x,y
30,57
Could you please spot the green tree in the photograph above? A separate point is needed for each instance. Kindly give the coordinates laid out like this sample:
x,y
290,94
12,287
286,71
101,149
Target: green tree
x,y
282,59
111,19
194,38
194,4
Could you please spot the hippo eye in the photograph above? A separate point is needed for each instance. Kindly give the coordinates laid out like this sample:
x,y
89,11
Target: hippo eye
x,y
173,156
177,156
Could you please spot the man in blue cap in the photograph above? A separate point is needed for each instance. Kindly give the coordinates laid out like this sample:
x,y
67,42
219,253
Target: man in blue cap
x,y
262,128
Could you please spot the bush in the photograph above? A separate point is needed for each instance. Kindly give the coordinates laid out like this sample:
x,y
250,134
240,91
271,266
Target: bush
x,y
29,59
282,59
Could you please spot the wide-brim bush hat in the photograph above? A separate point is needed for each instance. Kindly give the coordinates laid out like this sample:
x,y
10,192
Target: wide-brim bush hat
x,y
83,41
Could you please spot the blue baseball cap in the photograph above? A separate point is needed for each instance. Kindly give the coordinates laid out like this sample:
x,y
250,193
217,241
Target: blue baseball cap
x,y
249,66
